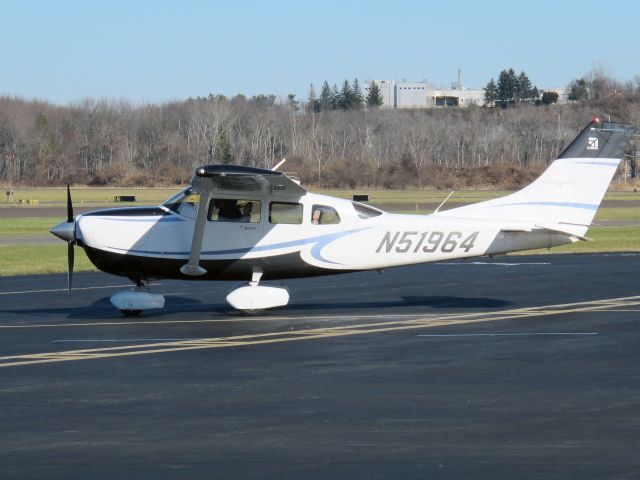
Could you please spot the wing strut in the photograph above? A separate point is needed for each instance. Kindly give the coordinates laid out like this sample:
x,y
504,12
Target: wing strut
x,y
232,180
192,268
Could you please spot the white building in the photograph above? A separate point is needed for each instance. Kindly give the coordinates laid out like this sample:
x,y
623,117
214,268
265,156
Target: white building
x,y
411,95
423,95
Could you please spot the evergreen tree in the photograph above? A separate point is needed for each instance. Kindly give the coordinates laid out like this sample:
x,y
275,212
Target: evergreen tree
x,y
491,92
511,89
507,83
326,97
336,98
578,90
357,96
346,97
292,103
535,95
374,97
524,89
548,98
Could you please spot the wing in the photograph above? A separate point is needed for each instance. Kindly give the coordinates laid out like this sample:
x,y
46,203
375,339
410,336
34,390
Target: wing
x,y
233,179
239,179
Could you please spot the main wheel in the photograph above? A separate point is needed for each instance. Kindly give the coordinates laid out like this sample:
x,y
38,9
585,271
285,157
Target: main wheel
x,y
131,313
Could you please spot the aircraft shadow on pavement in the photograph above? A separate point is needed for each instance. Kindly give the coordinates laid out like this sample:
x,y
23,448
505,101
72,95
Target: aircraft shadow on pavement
x,y
102,309
440,302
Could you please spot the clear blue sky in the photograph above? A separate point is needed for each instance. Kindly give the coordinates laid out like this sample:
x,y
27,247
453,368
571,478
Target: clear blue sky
x,y
152,51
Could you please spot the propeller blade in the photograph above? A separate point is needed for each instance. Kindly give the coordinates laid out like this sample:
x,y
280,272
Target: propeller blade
x,y
70,261
69,206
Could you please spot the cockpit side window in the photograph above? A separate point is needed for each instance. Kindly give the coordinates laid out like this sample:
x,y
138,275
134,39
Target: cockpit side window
x,y
365,211
234,210
324,215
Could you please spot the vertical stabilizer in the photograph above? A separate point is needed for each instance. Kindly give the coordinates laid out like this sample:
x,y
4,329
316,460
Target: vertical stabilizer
x,y
569,192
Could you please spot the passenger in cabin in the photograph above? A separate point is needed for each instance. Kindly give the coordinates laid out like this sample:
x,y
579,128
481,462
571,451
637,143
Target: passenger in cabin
x,y
246,212
316,217
228,211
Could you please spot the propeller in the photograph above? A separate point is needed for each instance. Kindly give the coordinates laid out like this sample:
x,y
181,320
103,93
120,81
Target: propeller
x,y
70,251
66,231
69,206
70,260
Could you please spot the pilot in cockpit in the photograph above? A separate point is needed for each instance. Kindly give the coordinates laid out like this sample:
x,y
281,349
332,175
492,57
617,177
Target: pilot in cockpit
x,y
230,211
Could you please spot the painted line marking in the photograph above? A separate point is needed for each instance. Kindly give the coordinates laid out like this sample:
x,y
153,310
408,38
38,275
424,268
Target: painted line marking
x,y
526,334
237,319
302,335
622,310
122,340
65,290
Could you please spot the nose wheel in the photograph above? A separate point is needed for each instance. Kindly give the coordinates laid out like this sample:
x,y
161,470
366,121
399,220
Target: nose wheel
x,y
133,301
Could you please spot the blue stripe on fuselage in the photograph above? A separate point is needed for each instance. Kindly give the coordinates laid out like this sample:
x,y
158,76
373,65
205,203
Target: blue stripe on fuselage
x,y
583,206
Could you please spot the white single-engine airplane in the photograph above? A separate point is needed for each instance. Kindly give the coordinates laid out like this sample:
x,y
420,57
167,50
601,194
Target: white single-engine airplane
x,y
251,224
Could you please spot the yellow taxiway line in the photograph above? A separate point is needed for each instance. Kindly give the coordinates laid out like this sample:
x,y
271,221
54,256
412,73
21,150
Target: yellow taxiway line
x,y
416,322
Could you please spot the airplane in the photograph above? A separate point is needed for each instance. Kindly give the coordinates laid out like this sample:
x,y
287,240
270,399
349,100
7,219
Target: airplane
x,y
257,225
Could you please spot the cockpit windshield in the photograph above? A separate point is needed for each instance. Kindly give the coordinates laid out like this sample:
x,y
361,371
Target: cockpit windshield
x,y
177,197
183,203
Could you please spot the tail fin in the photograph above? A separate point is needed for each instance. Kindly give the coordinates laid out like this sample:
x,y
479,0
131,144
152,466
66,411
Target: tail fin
x,y
570,191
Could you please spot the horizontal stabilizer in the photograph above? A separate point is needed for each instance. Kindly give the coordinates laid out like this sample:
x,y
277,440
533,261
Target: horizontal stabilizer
x,y
569,232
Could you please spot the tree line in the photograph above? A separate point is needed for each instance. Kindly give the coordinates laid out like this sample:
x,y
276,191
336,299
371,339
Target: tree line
x,y
99,142
349,97
512,89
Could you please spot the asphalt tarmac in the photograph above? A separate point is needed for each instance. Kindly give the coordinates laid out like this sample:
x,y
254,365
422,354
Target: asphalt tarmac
x,y
516,367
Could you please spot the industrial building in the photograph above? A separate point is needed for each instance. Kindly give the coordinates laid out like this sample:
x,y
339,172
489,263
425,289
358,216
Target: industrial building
x,y
424,95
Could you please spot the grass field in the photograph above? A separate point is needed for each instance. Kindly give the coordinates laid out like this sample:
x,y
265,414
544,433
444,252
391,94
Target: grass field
x,y
30,259
36,259
89,196
101,196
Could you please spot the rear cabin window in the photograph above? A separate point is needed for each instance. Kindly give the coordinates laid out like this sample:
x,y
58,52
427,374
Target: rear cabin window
x,y
324,215
282,212
234,210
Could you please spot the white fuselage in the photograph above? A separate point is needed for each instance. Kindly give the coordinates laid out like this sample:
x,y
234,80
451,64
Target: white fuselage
x,y
379,240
